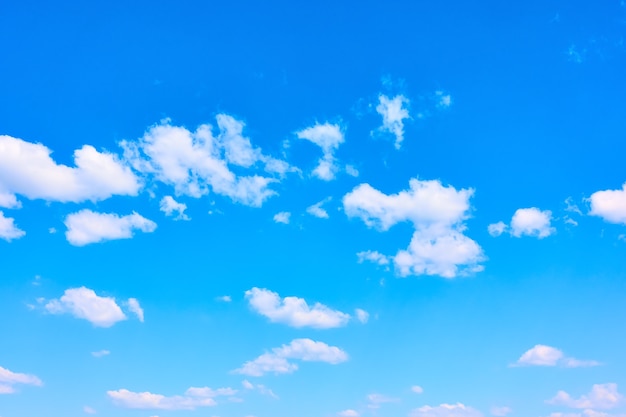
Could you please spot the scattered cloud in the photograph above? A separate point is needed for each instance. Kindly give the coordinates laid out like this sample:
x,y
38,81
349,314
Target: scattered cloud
x,y
294,311
500,411
438,246
446,410
526,222
225,298
417,389
306,350
328,137
375,400
542,355
26,169
86,227
89,410
100,353
348,413
84,303
192,399
282,217
169,206
8,229
261,389
393,111
373,256
601,396
362,315
352,171
443,100
135,308
610,205
9,379
317,210
571,206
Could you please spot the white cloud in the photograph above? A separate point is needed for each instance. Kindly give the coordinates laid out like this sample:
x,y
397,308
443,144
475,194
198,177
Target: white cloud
x,y
135,308
306,350
89,410
195,163
169,206
282,217
348,413
375,400
542,355
262,389
602,396
328,137
571,206
27,169
83,303
438,245
9,379
610,205
225,298
532,222
294,311
317,210
417,389
193,398
500,411
86,226
394,111
446,410
100,353
8,229
373,256
496,229
352,171
443,100
362,315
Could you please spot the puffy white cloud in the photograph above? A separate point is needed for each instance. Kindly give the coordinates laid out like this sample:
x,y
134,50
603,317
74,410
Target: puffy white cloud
x,y
496,229
306,350
362,315
601,396
193,398
532,222
446,410
8,229
373,256
195,163
84,303
9,379
100,353
317,210
500,411
27,169
86,226
328,137
542,355
135,308
282,217
294,311
438,245
169,206
417,389
348,413
610,205
393,111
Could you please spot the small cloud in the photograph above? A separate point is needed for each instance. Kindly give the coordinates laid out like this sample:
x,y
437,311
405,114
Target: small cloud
x,y
9,379
610,205
225,298
282,217
393,111
348,413
526,222
446,410
84,303
52,230
496,229
571,206
500,411
86,226
443,100
375,400
317,210
171,207
8,230
373,256
352,171
89,410
601,396
417,389
362,315
100,353
192,399
134,307
542,355
328,137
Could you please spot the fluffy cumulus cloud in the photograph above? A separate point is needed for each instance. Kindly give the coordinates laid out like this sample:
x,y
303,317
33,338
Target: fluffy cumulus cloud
x,y
294,311
192,399
86,226
439,245
328,137
542,355
526,222
27,169
277,361
200,161
283,217
9,379
393,111
446,410
601,396
171,207
84,303
317,210
610,205
8,229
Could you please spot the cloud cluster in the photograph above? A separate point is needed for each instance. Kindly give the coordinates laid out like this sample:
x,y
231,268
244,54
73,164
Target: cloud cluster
x,y
601,396
9,379
439,245
86,226
393,111
277,361
328,137
192,399
84,303
446,410
526,222
542,355
294,311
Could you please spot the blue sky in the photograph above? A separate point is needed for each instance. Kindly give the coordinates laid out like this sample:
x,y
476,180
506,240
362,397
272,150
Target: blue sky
x,y
328,209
